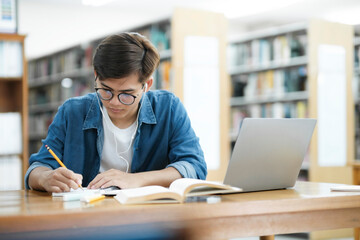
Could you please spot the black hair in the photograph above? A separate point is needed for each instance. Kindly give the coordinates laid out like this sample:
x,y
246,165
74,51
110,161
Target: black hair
x,y
123,54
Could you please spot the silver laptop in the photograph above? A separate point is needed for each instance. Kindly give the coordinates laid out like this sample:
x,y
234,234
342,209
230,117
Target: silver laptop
x,y
268,153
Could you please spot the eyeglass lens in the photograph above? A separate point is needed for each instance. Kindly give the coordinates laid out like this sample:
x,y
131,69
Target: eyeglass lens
x,y
123,97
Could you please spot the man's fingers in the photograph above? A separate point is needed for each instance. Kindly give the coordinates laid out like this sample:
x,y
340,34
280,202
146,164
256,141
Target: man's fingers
x,y
66,179
102,180
70,174
109,184
60,185
54,189
78,178
95,181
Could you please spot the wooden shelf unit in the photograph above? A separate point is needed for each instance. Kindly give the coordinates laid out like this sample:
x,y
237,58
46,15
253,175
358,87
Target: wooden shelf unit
x,y
314,35
262,66
14,96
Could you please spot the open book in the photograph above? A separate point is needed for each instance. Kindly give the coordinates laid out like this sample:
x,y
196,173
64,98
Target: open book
x,y
177,191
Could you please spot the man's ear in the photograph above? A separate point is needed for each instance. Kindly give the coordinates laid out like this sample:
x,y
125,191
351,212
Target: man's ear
x,y
149,83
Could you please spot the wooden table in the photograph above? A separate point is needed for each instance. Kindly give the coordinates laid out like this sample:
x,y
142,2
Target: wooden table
x,y
356,173
356,181
305,208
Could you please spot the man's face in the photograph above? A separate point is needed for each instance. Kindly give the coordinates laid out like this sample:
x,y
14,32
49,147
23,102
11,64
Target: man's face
x,y
119,112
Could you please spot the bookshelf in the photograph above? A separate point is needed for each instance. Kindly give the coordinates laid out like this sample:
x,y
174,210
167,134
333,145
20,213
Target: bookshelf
x,y
268,70
278,72
48,88
356,92
68,73
13,112
338,40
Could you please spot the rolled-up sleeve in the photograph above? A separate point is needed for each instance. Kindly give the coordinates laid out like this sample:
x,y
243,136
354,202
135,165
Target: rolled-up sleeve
x,y
32,167
185,152
185,169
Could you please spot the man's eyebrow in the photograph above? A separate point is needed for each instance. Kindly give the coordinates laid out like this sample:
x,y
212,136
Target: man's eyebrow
x,y
104,85
124,90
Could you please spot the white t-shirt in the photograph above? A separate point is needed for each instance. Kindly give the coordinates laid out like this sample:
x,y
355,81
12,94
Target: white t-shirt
x,y
120,138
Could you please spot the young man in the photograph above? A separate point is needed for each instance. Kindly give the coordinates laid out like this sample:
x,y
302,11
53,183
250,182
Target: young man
x,y
123,135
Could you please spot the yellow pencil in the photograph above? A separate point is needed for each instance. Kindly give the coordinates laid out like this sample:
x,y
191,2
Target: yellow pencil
x,y
58,160
90,199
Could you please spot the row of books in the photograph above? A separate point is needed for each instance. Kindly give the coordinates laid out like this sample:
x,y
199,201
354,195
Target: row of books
x,y
34,145
158,34
163,76
11,135
11,59
261,52
58,93
298,109
357,147
10,173
357,132
270,83
357,56
81,56
58,63
39,124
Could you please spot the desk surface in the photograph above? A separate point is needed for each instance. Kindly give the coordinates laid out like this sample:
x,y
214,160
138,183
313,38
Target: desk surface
x,y
306,207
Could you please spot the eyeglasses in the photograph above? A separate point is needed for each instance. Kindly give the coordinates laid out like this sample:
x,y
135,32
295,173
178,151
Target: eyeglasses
x,y
107,95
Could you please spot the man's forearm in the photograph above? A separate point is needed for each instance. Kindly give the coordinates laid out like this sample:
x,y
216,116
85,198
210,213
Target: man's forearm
x,y
162,177
35,178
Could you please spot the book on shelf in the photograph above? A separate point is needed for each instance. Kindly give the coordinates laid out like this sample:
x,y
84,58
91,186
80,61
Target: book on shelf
x,y
10,172
159,37
39,123
275,83
163,76
267,50
293,109
11,135
63,62
11,59
177,192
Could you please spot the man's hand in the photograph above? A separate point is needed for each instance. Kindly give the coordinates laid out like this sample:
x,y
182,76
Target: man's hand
x,y
114,177
58,180
124,180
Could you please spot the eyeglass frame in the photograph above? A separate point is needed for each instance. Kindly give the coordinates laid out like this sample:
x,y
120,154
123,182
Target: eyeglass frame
x,y
118,96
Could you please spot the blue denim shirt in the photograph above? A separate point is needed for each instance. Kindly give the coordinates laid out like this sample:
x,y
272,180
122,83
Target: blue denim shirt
x,y
164,138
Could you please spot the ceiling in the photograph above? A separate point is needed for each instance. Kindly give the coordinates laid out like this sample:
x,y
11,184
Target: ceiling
x,y
51,25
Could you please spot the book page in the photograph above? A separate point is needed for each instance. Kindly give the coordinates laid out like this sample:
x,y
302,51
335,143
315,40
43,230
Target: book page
x,y
197,187
148,194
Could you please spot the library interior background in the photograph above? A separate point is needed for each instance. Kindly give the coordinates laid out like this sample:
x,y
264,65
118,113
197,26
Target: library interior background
x,y
263,59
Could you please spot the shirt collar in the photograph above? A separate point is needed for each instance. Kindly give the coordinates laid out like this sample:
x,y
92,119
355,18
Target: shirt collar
x,y
93,116
146,111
